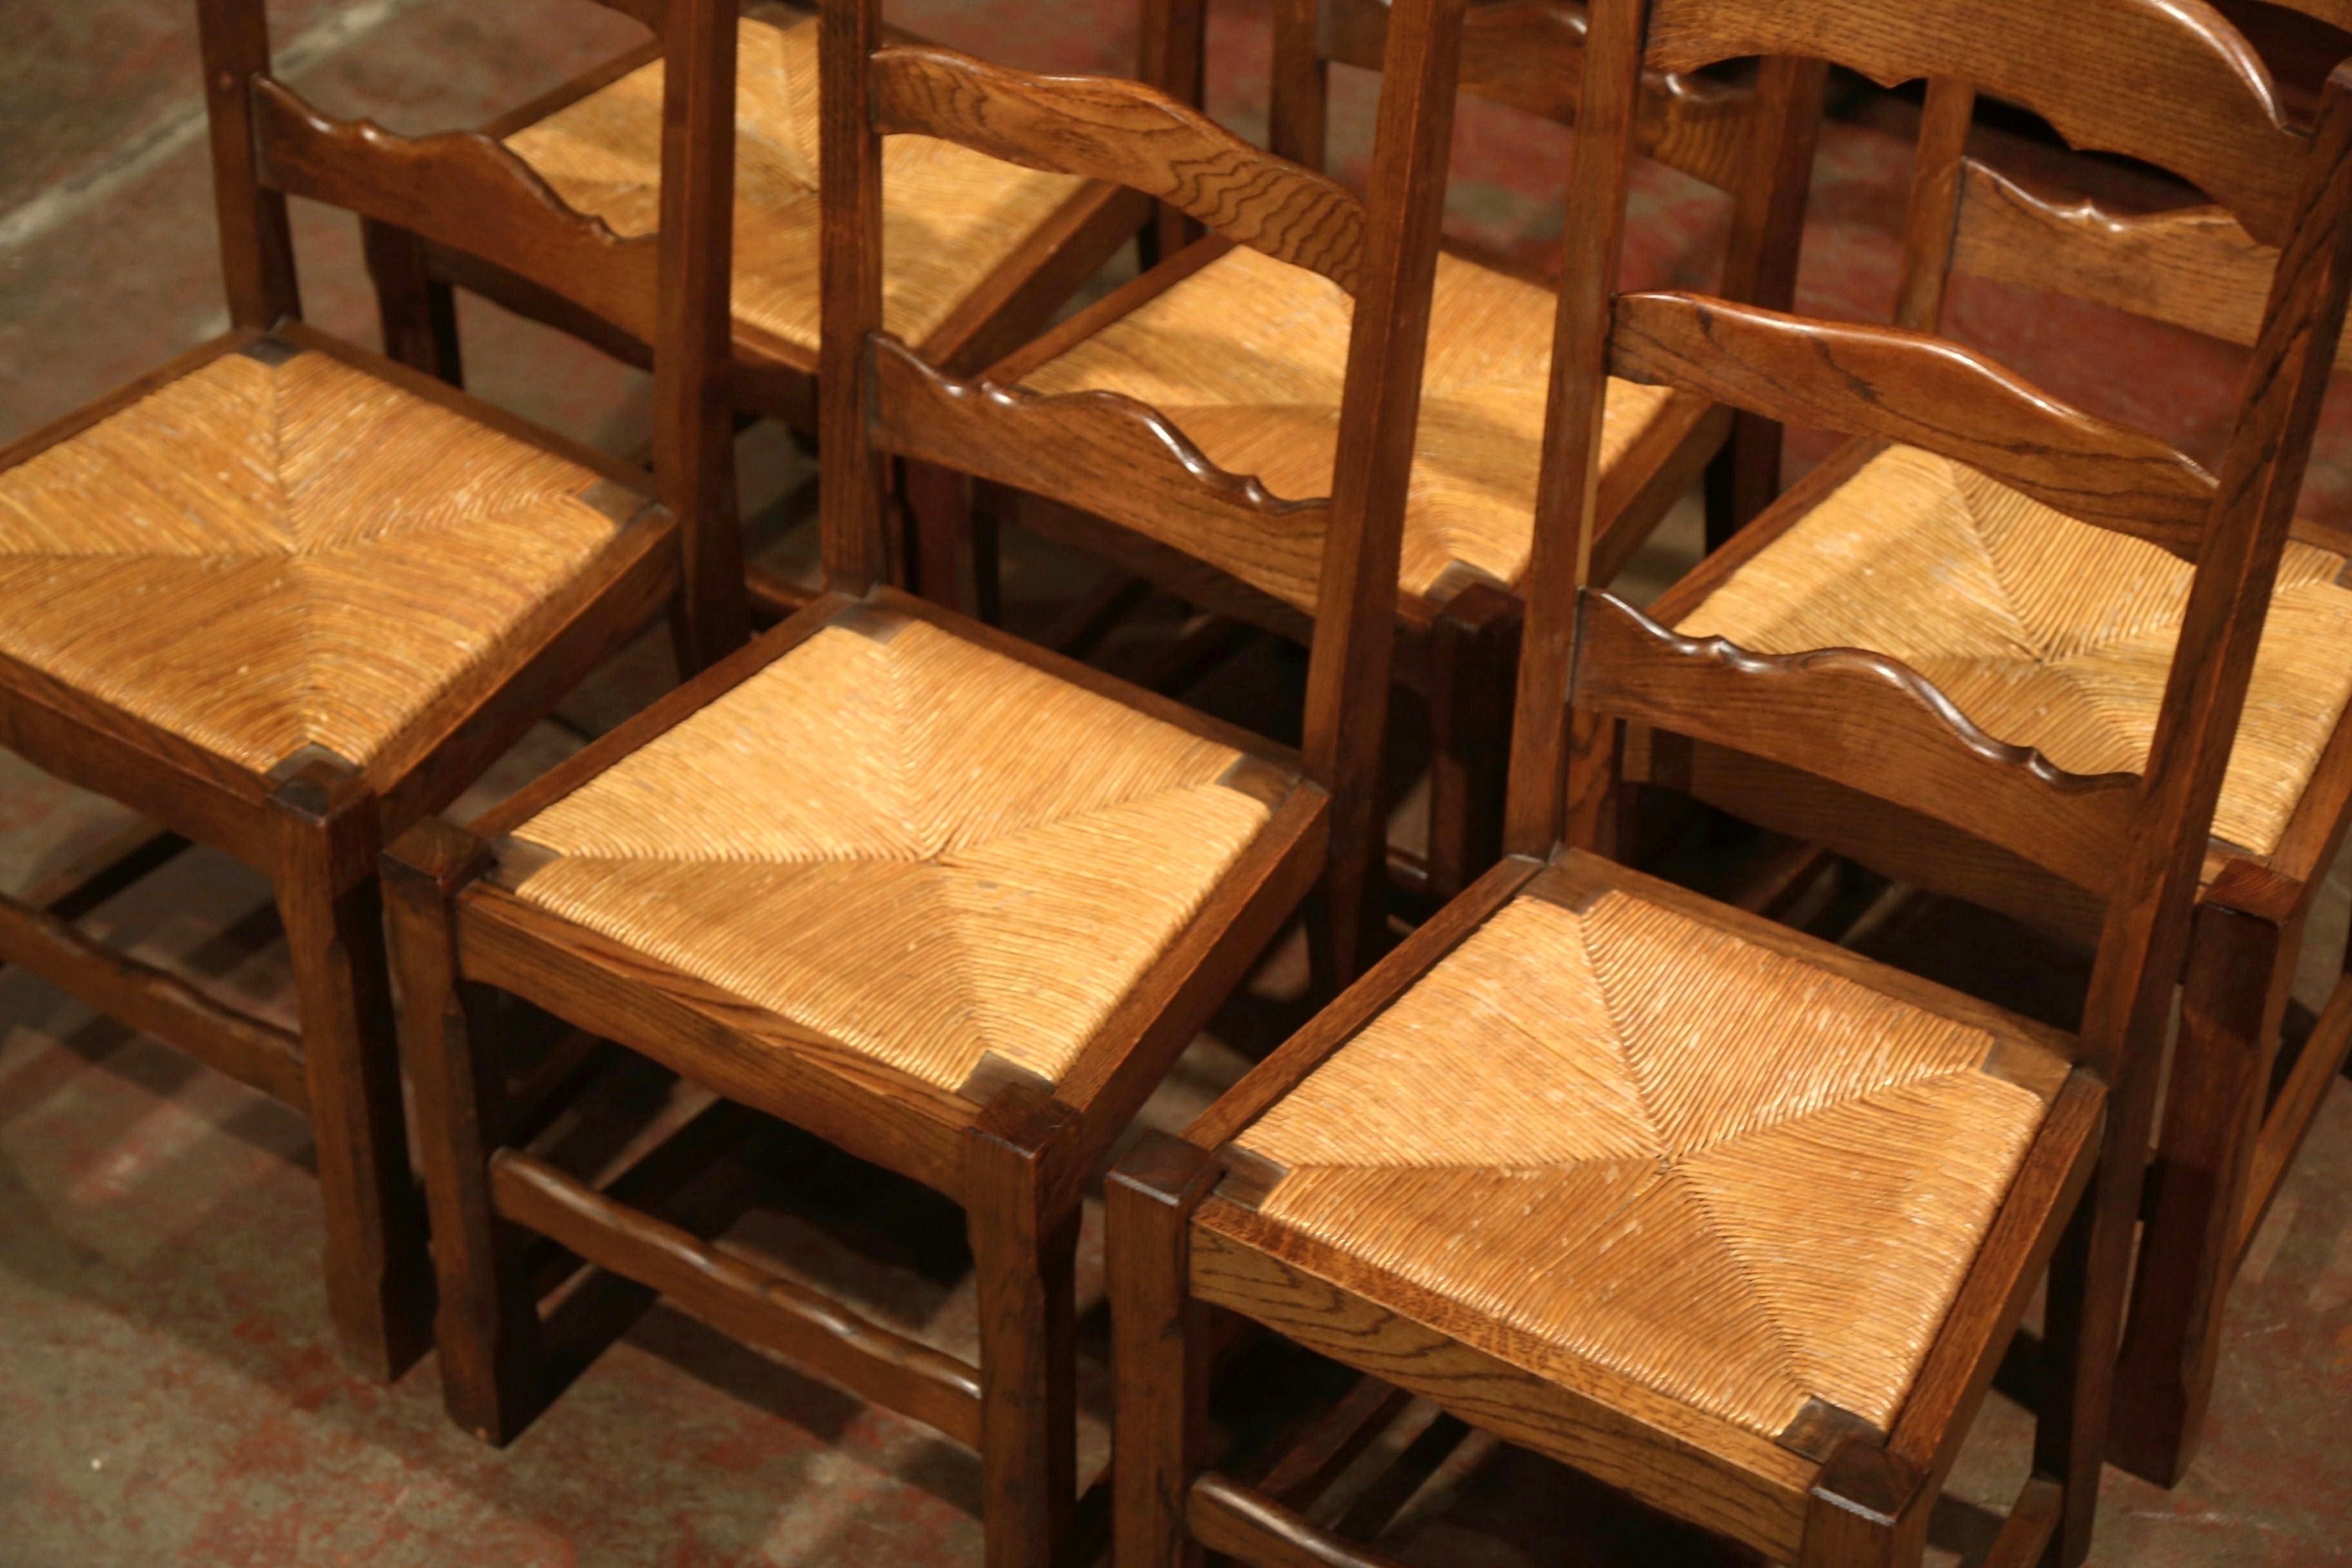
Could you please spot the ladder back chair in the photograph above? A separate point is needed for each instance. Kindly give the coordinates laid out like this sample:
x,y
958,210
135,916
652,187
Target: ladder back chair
x,y
2062,644
1246,356
948,903
984,251
284,597
1734,1220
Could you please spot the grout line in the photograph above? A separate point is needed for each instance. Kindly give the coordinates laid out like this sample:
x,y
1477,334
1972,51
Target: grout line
x,y
144,149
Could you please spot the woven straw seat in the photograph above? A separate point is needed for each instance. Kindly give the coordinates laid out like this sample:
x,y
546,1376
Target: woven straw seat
x,y
1628,1137
277,550
1246,356
949,216
925,851
2047,632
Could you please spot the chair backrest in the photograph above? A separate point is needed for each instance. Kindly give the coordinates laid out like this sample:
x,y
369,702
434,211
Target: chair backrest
x,y
1101,451
469,191
2164,80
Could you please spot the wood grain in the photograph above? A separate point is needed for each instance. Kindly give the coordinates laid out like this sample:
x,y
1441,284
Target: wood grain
x,y
1134,135
1922,391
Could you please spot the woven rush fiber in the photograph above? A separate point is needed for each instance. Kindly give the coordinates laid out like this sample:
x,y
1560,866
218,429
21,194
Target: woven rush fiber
x,y
917,847
1716,1169
949,215
1247,355
2046,631
276,552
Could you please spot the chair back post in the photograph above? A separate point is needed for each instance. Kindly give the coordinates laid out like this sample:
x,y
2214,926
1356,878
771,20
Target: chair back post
x,y
1536,810
1931,220
256,242
1355,630
2146,932
850,495
1298,91
694,431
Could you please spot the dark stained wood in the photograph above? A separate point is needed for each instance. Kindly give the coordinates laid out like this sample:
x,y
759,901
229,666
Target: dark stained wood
x,y
462,189
1106,128
1923,391
2032,1519
1306,1469
2203,106
379,1290
1022,1188
1019,298
2289,1120
1859,719
1233,1519
155,1001
1869,1510
850,245
1932,219
416,313
718,1284
85,881
1473,654
1298,102
1158,1364
256,244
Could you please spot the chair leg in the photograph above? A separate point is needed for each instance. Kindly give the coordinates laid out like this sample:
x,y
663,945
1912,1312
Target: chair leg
x,y
1021,1208
944,521
1473,659
378,1285
1868,1510
1158,1358
1742,479
418,312
488,1324
2233,996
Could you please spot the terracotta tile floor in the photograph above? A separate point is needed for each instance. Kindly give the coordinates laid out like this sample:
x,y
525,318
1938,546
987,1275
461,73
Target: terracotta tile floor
x,y
167,1391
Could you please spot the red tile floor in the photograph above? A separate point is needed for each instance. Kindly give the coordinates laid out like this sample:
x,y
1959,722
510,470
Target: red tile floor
x,y
167,1391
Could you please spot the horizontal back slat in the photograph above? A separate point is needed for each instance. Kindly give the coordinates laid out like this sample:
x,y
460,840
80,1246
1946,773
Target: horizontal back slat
x,y
463,189
2192,267
1856,719
2180,88
1106,454
1123,131
1923,391
1530,54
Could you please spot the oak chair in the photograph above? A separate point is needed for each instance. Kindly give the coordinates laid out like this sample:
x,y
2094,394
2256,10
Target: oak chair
x,y
1733,1220
950,902
2060,643
1245,358
984,251
285,598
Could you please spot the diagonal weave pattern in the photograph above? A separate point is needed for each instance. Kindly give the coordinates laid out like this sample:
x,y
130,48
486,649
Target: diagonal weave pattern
x,y
276,552
950,216
922,849
1247,357
2046,631
1716,1169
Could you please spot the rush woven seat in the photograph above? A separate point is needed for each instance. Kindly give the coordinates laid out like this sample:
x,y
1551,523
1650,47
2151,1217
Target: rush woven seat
x,y
2046,631
278,550
925,851
949,215
1247,357
1628,1136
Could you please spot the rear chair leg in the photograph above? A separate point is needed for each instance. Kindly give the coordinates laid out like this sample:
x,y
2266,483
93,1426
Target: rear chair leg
x,y
1159,1354
1021,1208
379,1287
488,1325
2233,996
1473,659
418,312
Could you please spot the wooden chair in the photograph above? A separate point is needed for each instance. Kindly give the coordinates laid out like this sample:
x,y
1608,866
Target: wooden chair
x,y
2060,643
1735,1221
982,252
285,598
1246,356
950,902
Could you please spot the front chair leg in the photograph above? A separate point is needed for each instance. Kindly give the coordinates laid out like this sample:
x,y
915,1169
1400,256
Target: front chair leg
x,y
488,1323
379,1286
1022,1206
1159,1361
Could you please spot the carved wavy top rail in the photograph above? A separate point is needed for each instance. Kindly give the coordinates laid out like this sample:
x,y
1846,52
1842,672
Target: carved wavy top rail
x,y
1106,454
1858,718
1923,391
2180,86
1530,54
463,189
2193,267
1106,128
